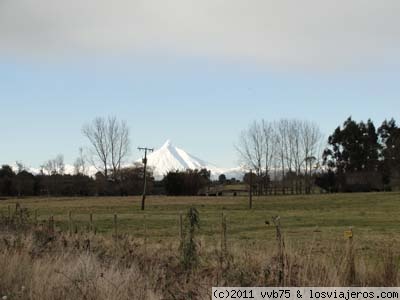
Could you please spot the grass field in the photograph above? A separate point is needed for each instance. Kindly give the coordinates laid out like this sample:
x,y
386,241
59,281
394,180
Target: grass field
x,y
317,219
147,261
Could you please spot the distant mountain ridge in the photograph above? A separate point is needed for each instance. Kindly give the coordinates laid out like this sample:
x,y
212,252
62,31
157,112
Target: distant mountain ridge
x,y
165,159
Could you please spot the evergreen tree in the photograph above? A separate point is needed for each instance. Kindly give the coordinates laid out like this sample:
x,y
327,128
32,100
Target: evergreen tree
x,y
354,147
6,181
389,134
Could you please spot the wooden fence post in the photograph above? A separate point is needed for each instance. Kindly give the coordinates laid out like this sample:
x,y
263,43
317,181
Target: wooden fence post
x,y
91,222
9,217
224,248
115,227
145,233
351,268
21,217
251,190
181,232
281,250
51,224
70,223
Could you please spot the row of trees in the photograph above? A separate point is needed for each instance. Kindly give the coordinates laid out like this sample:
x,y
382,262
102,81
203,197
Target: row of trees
x,y
189,182
24,183
108,149
107,152
280,150
358,156
362,155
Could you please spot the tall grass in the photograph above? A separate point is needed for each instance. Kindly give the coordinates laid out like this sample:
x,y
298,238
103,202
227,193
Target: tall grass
x,y
40,262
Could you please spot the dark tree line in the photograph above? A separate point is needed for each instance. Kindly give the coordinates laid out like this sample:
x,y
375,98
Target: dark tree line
x,y
288,155
23,183
187,183
361,157
130,182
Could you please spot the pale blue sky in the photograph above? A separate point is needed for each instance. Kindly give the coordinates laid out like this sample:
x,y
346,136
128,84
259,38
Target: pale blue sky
x,y
200,105
195,72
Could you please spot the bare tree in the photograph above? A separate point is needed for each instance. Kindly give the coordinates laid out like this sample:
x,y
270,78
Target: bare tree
x,y
96,132
256,149
269,136
270,148
296,140
118,135
289,148
311,144
109,144
296,150
251,148
54,166
80,163
283,151
293,144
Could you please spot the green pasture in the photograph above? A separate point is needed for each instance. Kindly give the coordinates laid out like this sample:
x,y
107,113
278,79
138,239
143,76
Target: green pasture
x,y
317,221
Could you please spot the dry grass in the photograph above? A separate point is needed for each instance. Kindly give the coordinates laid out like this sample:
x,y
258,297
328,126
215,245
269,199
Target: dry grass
x,y
39,263
36,264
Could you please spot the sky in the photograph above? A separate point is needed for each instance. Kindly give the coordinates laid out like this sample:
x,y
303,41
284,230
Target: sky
x,y
194,72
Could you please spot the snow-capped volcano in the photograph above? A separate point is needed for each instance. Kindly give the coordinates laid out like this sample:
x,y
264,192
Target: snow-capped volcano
x,y
165,159
170,158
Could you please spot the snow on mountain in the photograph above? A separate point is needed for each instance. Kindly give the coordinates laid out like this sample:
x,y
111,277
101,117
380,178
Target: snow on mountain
x,y
68,169
167,158
170,158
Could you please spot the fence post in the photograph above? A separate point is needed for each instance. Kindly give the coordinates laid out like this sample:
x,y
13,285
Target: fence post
x,y
91,222
251,190
223,253
145,233
70,223
351,268
281,250
181,232
115,227
9,217
51,224
223,235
